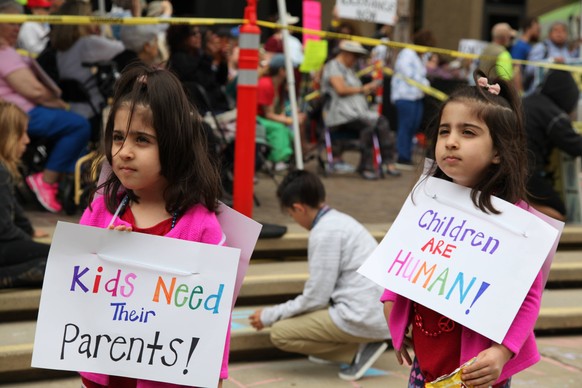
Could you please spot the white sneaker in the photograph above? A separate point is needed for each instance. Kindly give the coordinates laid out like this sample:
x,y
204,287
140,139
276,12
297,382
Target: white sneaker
x,y
343,167
281,166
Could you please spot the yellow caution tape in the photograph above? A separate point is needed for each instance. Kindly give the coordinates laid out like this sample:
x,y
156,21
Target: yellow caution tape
x,y
71,19
441,96
420,49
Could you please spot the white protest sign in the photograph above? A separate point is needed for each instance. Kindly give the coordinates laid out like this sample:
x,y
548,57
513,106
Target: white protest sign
x,y
241,232
472,46
135,305
450,256
373,11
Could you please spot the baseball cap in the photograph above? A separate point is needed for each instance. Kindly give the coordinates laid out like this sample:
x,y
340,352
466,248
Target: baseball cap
x,y
501,28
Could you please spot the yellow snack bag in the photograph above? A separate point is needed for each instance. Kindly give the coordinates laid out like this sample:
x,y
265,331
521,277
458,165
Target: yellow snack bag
x,y
452,380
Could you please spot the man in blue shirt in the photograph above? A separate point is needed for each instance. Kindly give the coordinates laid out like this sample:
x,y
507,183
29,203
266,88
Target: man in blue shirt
x,y
522,47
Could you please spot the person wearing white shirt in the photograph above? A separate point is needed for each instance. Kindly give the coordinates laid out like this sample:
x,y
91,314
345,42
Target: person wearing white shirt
x,y
408,98
33,36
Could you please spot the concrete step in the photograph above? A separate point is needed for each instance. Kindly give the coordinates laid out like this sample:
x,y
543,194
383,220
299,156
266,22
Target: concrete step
x,y
295,240
561,309
272,281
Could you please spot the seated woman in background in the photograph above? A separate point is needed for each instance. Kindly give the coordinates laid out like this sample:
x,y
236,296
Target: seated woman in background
x,y
22,260
48,117
141,45
200,62
78,44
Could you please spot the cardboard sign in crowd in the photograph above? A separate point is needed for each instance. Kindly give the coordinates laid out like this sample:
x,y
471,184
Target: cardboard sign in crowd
x,y
448,255
137,305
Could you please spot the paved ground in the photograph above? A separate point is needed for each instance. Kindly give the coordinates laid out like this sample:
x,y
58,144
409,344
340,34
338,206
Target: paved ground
x,y
560,367
369,202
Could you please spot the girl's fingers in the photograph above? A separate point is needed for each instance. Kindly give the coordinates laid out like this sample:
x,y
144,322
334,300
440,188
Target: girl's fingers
x,y
398,357
407,357
121,228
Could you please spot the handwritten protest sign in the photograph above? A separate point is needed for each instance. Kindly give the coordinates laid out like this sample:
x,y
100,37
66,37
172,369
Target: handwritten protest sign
x,y
311,19
472,46
373,11
448,255
241,232
136,305
315,55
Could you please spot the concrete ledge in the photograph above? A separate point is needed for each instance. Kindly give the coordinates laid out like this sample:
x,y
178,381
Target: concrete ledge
x,y
566,267
295,239
15,358
249,339
283,278
19,300
572,235
560,319
274,279
561,310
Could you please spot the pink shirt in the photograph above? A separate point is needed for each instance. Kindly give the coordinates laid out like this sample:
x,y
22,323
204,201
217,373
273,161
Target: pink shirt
x,y
197,224
519,339
12,61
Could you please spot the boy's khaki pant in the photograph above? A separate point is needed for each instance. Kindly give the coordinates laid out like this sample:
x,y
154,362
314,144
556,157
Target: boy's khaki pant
x,y
315,334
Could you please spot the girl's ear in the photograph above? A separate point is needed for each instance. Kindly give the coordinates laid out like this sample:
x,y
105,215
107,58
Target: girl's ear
x,y
496,158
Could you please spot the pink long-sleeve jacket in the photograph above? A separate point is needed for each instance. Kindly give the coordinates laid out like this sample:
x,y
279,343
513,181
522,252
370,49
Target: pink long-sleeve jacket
x,y
197,224
520,339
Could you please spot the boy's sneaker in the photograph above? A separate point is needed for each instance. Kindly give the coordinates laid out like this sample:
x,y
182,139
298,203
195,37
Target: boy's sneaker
x,y
365,358
46,193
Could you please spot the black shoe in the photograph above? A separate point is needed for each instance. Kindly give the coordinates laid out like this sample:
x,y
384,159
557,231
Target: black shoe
x,y
365,358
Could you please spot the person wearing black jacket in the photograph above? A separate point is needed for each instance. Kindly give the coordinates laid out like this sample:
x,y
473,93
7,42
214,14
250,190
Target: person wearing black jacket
x,y
549,126
22,260
201,65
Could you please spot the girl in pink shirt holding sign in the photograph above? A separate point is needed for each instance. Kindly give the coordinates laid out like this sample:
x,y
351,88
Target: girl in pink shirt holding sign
x,y
163,180
479,143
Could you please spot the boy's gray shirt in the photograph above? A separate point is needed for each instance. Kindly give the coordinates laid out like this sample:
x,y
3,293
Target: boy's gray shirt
x,y
338,245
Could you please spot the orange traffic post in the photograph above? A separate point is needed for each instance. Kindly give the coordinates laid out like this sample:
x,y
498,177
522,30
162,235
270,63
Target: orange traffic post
x,y
246,105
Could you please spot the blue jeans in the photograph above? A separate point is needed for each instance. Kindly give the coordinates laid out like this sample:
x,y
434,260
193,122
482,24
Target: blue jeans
x,y
68,133
409,118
